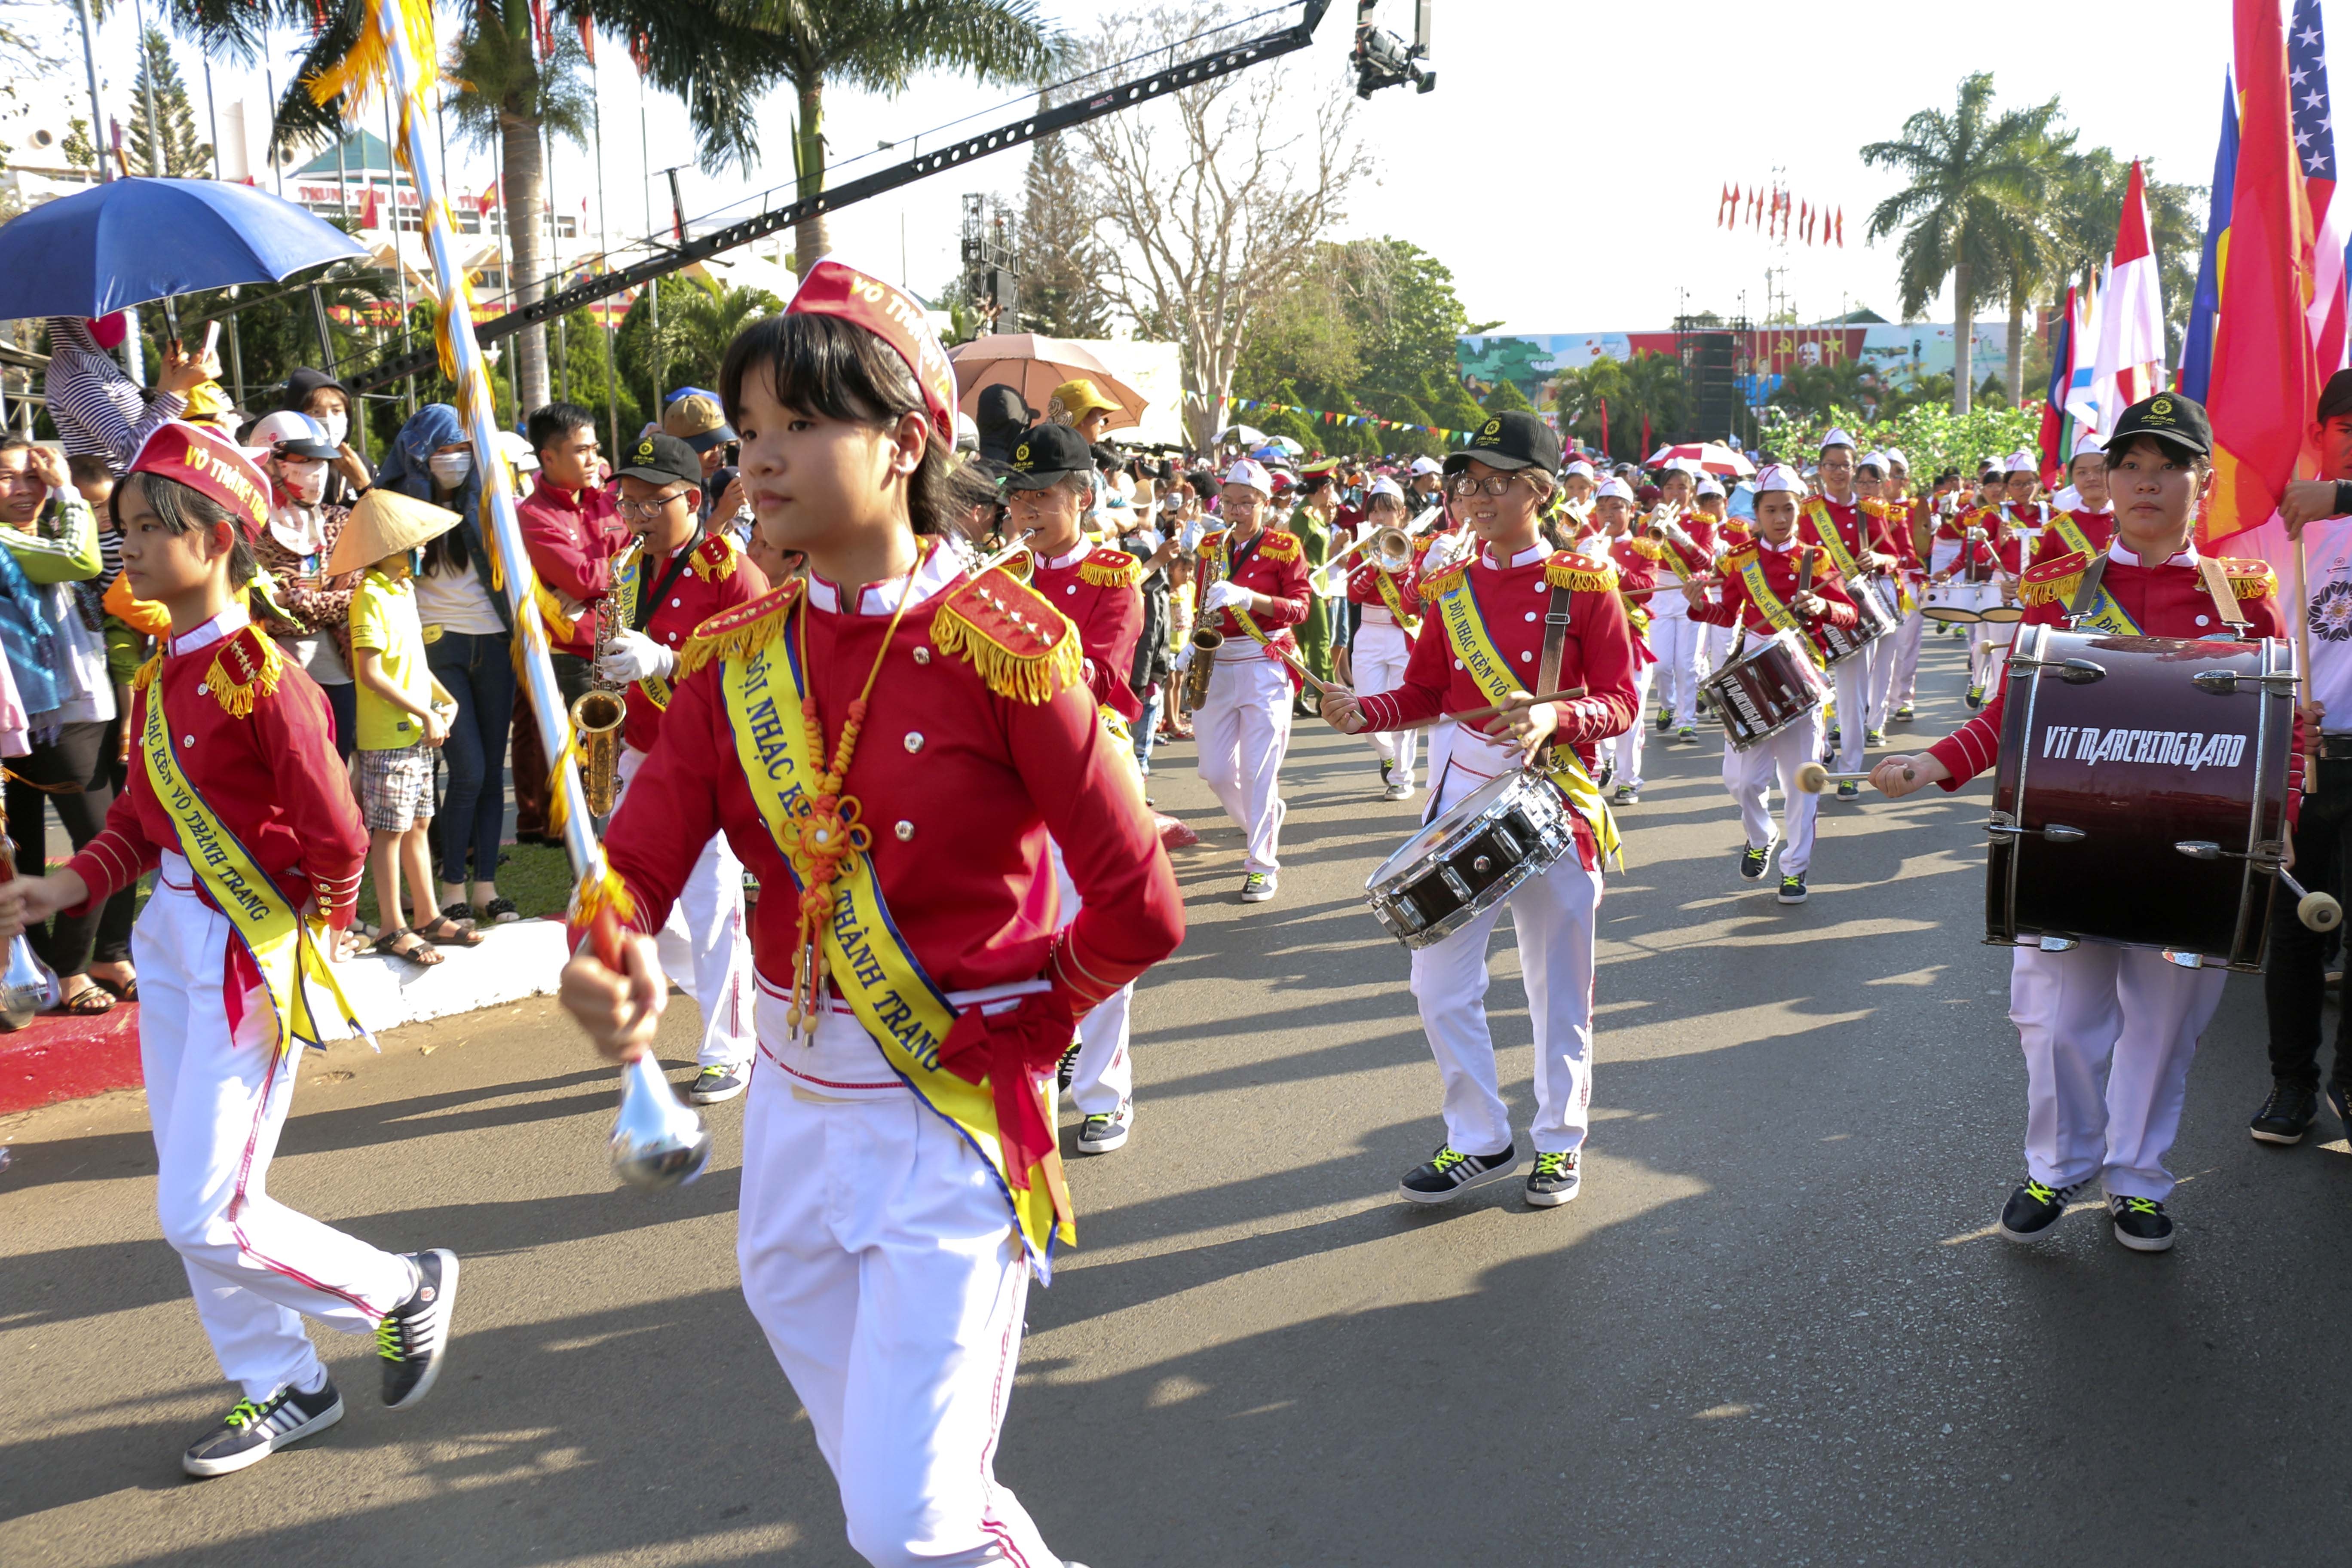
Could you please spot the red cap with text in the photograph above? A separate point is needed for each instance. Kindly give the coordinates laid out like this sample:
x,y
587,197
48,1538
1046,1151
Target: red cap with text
x,y
834,289
207,461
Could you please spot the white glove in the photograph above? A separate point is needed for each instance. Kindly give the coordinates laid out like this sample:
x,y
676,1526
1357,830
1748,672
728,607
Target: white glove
x,y
1223,594
1184,657
635,657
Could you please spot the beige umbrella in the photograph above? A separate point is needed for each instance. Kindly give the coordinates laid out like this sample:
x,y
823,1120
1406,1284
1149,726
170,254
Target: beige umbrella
x,y
1034,366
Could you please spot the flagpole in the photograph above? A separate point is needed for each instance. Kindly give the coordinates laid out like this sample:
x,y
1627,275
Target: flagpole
x,y
401,35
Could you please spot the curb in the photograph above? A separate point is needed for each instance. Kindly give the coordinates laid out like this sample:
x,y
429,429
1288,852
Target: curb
x,y
60,1057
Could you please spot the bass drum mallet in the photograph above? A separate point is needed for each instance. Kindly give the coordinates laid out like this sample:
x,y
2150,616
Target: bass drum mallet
x,y
1814,778
2317,912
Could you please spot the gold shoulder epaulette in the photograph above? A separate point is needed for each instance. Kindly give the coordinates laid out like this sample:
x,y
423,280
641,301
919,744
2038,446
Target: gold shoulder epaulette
x,y
714,559
1741,552
1650,549
1444,578
1580,573
2250,577
1111,567
247,666
745,629
1279,544
144,676
1023,648
2054,582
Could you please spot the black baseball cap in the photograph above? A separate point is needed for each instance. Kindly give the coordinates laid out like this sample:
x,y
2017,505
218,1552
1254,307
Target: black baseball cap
x,y
1044,455
2335,398
661,458
1518,439
2170,417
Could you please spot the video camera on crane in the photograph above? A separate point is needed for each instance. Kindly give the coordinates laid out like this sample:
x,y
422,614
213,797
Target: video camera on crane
x,y
1383,59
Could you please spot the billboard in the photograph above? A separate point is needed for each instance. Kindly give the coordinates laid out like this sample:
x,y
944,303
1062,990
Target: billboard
x,y
1533,361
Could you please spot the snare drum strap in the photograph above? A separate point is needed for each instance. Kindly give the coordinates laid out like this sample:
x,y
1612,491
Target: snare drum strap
x,y
1561,762
2092,608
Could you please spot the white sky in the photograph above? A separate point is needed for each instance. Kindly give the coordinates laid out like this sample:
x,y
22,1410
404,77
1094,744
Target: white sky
x,y
1617,126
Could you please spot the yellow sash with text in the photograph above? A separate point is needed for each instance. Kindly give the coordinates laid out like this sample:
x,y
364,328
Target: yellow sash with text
x,y
2071,533
1224,573
1394,600
1842,559
624,606
284,946
901,1007
1465,628
2103,614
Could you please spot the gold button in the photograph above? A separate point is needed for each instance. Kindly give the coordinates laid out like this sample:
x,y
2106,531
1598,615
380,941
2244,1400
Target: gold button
x,y
922,654
914,740
905,831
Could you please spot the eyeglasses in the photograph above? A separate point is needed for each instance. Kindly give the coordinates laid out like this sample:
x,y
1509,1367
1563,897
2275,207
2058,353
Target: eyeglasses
x,y
1465,485
645,510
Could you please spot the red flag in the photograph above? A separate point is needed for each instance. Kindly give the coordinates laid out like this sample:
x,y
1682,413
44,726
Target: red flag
x,y
588,37
1646,431
1755,208
1805,224
488,199
367,210
2264,382
1840,228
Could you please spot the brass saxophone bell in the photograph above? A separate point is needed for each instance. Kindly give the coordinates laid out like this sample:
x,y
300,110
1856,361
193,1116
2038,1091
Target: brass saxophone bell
x,y
596,718
657,1141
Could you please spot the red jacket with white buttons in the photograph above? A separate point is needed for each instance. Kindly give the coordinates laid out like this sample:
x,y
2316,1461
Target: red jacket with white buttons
x,y
1737,609
717,577
1098,588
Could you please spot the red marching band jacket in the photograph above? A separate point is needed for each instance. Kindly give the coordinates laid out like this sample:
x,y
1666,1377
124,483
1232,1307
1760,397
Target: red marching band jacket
x,y
716,577
2169,599
1598,654
1098,588
572,537
1364,589
1273,564
1738,608
2096,527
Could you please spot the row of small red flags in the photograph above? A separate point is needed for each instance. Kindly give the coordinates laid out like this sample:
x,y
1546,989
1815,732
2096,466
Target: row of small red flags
x,y
1781,214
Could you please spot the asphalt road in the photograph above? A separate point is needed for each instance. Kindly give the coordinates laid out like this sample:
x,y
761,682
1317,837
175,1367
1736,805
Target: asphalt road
x,y
1776,1329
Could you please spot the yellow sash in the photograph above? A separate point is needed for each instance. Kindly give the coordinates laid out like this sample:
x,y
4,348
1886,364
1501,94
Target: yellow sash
x,y
625,603
1395,601
1225,573
1465,628
1775,609
2071,533
282,944
1842,559
901,1007
2103,614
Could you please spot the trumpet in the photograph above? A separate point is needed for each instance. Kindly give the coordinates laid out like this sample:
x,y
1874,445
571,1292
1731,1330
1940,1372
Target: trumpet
x,y
1393,549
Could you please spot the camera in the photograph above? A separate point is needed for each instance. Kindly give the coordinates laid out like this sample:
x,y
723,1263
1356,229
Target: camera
x,y
1383,59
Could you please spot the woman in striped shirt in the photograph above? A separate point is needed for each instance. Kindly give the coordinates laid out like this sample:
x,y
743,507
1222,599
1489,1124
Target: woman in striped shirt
x,y
100,412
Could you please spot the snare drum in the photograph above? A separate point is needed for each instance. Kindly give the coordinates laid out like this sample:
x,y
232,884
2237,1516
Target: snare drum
x,y
1766,690
2140,797
1961,602
1470,858
1874,617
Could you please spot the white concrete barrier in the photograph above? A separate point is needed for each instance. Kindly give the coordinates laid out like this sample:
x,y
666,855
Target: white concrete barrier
x,y
520,959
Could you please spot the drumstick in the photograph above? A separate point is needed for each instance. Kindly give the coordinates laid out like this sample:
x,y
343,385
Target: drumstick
x,y
1814,778
1474,714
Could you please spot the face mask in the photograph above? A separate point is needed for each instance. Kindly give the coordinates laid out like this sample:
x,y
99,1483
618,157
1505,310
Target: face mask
x,y
450,468
307,481
337,427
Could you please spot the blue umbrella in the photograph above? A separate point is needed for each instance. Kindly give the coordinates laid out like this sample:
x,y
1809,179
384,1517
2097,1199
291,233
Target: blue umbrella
x,y
133,240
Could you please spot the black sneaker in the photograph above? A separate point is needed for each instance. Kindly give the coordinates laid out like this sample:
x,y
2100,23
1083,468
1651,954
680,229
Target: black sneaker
x,y
2141,1223
1849,790
1874,737
1386,769
713,1084
1666,719
2032,1209
1068,1068
1903,714
1450,1173
1753,861
1626,796
2339,1100
1106,1131
1554,1181
1792,888
2286,1115
251,1432
412,1338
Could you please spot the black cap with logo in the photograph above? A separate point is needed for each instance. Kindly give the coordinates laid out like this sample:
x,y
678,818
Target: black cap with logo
x,y
659,458
2170,417
1043,454
1518,439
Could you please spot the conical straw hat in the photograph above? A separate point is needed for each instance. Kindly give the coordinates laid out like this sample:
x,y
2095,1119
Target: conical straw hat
x,y
386,523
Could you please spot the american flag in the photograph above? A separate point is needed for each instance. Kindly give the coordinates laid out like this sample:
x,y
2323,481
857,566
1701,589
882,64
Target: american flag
x,y
2314,144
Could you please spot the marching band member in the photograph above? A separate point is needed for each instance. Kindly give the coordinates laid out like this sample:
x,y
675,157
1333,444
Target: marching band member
x,y
1636,562
2108,1031
1251,585
2081,530
685,571
237,803
1687,551
1098,589
1734,526
1833,520
1385,611
1577,483
901,1181
1898,514
1485,649
1777,584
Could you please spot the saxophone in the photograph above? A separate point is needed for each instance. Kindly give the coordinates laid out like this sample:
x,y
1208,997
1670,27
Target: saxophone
x,y
1206,640
597,714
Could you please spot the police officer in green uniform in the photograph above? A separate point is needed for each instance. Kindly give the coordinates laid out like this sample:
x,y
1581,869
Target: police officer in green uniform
x,y
1312,521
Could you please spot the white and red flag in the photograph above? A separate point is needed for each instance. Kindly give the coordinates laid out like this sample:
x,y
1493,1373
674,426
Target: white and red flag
x,y
2129,364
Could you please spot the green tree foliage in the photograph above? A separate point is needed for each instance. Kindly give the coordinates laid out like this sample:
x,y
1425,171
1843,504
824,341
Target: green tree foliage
x,y
578,349
1647,384
1928,433
185,155
1504,398
1062,262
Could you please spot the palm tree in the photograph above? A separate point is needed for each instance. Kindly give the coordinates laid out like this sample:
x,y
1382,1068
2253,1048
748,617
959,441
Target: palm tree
x,y
1972,177
696,327
722,56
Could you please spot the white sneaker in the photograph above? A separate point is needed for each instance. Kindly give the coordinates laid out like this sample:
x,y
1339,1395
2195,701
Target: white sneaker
x,y
1102,1132
1400,790
1258,887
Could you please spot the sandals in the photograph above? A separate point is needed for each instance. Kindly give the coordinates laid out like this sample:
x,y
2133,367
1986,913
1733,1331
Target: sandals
x,y
123,991
451,933
501,911
418,951
90,1002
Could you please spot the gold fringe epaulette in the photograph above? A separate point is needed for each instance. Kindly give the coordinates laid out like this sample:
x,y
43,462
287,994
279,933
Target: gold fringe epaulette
x,y
1650,549
1436,583
1023,648
1740,555
1580,573
144,676
1111,568
247,664
714,559
2250,578
745,629
2054,581
1279,544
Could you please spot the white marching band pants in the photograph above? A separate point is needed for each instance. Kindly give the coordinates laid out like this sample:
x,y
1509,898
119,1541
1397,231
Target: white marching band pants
x,y
1240,734
255,1267
878,1256
1624,750
1377,658
704,947
1681,664
1988,646
2108,1034
1902,671
1718,647
1748,773
1859,692
1552,916
1103,1080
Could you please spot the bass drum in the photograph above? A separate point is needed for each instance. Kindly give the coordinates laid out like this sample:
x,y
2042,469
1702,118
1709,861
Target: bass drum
x,y
1766,690
1874,617
1470,858
2140,797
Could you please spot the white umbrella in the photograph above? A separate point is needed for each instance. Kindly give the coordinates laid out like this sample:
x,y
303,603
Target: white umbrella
x,y
1246,435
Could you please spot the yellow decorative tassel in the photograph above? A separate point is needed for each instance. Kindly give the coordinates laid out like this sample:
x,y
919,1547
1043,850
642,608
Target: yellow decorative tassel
x,y
2250,579
1116,570
1023,678
731,634
144,676
236,697
1278,545
1581,574
597,892
560,626
714,559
